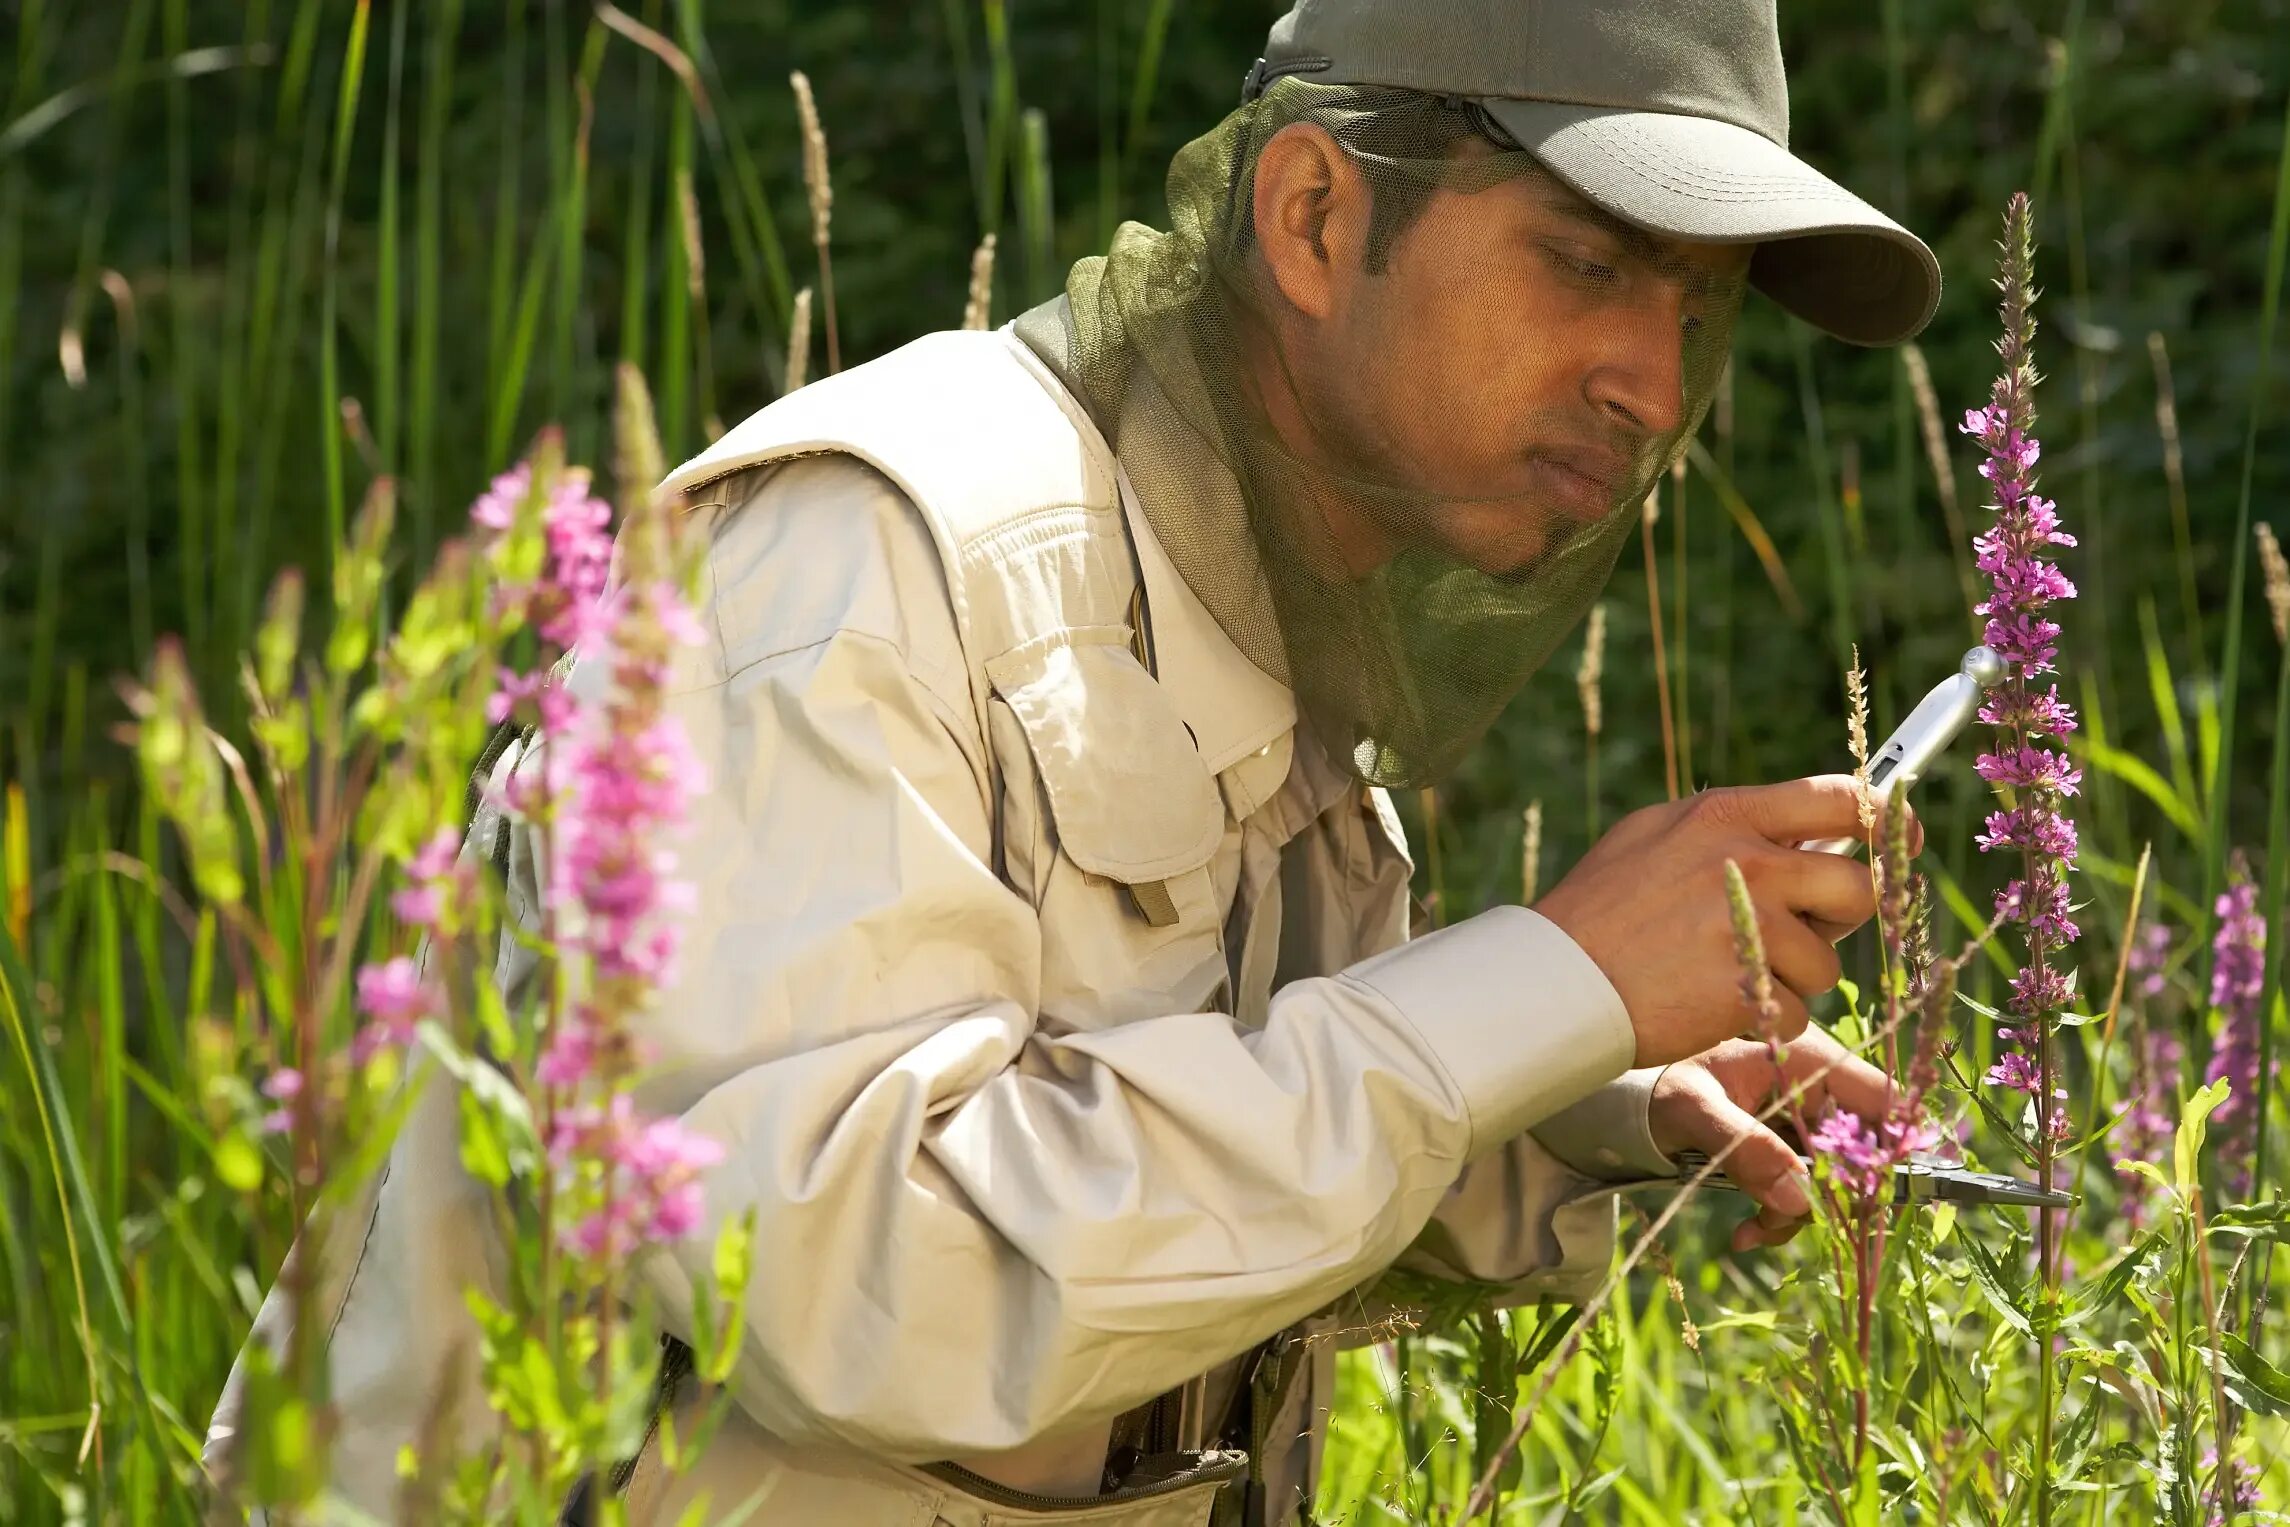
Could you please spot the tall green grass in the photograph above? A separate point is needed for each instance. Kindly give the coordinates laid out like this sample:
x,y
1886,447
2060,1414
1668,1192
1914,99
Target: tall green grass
x,y
458,216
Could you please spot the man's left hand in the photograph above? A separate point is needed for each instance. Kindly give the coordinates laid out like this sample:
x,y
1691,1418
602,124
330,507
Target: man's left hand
x,y
1710,1101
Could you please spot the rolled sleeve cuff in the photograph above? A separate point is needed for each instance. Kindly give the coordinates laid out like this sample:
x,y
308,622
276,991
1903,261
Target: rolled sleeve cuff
x,y
1609,1135
1521,1019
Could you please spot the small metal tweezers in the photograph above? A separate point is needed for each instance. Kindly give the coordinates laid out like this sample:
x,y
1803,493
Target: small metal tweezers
x,y
1923,1177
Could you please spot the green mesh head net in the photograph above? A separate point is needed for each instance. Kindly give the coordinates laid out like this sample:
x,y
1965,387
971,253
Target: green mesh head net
x,y
1394,451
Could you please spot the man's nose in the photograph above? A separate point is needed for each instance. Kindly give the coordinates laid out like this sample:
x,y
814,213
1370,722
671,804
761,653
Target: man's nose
x,y
1639,381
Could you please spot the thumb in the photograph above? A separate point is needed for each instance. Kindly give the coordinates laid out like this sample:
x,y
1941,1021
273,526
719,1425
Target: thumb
x,y
1764,1166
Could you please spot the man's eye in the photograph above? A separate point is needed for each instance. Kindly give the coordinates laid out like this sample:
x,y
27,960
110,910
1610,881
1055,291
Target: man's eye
x,y
1582,267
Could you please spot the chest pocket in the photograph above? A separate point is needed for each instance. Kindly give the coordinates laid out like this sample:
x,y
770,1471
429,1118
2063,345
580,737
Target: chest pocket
x,y
1110,824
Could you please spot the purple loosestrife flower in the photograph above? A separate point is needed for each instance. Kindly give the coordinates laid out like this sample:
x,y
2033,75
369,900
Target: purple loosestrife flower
x,y
611,782
2024,584
394,997
2149,954
2151,1094
282,1087
1862,1155
440,887
2238,966
652,1173
2237,1488
2145,1133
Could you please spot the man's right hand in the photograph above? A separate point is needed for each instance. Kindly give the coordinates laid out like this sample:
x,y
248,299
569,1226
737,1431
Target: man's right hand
x,y
1648,905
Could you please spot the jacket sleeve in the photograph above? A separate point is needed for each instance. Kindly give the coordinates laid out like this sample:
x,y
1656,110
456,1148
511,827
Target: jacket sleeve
x,y
970,1230
1538,1216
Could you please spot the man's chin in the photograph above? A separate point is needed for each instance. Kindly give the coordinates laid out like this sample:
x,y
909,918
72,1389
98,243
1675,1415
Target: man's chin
x,y
1509,545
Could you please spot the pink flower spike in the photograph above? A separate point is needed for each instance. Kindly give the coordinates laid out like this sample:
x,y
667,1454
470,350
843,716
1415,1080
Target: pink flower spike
x,y
496,507
393,992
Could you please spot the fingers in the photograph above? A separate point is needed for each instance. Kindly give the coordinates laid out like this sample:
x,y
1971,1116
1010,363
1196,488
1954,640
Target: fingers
x,y
1801,810
1802,960
1825,887
1761,1163
1831,1071
1789,1019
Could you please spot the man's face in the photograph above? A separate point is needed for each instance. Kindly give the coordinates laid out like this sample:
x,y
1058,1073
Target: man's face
x,y
1513,368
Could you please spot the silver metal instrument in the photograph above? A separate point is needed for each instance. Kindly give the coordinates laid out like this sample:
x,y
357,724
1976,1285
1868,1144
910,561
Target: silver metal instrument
x,y
1922,1178
1925,735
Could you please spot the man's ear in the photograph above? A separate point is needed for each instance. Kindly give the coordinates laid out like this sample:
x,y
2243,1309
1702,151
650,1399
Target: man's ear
x,y
1310,209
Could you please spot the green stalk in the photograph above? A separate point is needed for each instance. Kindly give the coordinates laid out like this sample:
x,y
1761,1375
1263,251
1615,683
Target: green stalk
x,y
1037,217
1002,116
184,343
636,232
278,395
1143,82
501,305
675,412
429,226
2277,884
241,265
384,411
967,104
1904,436
94,218
559,132
1108,51
755,240
329,364
11,282
571,222
517,356
1682,563
1843,623
133,463
2230,655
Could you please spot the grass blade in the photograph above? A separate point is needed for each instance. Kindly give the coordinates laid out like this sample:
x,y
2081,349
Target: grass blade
x,y
2230,655
329,296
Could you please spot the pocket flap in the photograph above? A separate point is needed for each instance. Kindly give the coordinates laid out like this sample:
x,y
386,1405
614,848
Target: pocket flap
x,y
1130,794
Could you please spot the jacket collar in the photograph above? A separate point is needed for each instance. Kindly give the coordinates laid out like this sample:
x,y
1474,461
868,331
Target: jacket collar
x,y
1232,707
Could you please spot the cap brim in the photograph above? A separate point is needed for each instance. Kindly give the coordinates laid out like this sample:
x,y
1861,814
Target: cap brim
x,y
1823,253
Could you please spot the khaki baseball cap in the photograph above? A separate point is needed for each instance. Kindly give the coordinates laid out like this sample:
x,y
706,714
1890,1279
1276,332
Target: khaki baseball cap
x,y
1673,115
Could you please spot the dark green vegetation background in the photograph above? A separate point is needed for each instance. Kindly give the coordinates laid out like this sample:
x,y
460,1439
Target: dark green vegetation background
x,y
178,207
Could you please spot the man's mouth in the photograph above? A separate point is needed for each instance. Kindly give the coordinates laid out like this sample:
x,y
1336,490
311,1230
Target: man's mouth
x,y
1578,480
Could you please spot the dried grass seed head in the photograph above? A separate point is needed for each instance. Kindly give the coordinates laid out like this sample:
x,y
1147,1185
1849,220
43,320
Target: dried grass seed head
x,y
1587,678
2277,576
815,178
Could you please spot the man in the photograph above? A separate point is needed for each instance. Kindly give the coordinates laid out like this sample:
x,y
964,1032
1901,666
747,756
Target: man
x,y
1049,987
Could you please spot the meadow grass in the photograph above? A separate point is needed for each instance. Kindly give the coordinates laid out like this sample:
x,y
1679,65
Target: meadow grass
x,y
342,287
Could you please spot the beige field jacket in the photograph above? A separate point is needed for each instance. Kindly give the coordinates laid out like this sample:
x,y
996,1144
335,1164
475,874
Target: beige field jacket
x,y
1050,990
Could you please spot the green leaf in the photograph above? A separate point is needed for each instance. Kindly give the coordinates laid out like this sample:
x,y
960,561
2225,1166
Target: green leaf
x,y
1996,1284
2148,1170
2258,1385
2098,1296
2187,1148
1977,1006
2269,1221
238,1163
481,1149
735,1256
2141,776
1868,1496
